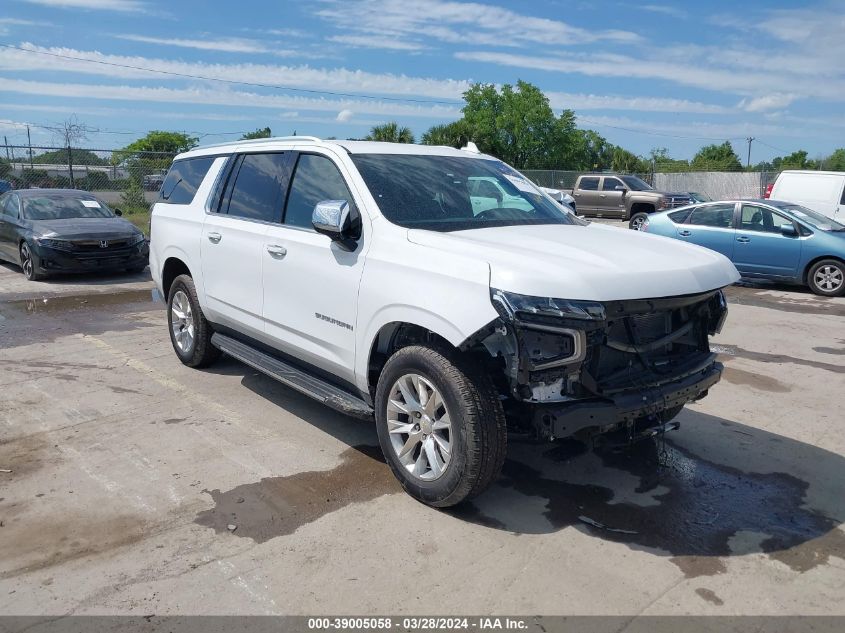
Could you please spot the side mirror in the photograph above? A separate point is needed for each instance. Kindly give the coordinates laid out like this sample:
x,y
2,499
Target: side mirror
x,y
620,188
117,212
340,221
788,230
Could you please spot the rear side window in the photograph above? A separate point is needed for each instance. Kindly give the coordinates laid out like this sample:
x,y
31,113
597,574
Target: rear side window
x,y
259,187
679,217
715,215
184,178
316,179
589,184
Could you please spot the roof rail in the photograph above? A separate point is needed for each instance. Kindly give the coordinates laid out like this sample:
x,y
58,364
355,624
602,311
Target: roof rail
x,y
258,141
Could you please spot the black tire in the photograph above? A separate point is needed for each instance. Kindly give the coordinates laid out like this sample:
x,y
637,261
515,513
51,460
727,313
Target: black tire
x,y
478,437
637,220
827,278
201,353
30,263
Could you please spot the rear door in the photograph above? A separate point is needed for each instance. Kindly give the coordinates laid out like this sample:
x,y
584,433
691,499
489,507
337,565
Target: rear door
x,y
612,200
9,222
711,226
761,248
586,195
232,245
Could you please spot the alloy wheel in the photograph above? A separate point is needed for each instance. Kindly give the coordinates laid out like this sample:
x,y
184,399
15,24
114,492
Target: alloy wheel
x,y
182,322
419,427
829,278
637,223
26,260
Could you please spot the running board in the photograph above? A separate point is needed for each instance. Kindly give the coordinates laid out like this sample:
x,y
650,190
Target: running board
x,y
293,377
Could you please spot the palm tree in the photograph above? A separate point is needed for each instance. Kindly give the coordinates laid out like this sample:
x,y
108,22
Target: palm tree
x,y
391,133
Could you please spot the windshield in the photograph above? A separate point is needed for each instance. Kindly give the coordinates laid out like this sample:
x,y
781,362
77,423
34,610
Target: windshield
x,y
636,184
813,218
446,193
63,207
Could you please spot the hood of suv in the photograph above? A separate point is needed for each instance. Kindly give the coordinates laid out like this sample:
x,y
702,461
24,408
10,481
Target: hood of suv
x,y
595,262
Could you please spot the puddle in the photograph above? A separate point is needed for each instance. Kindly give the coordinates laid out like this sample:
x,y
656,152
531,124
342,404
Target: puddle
x,y
796,301
840,351
710,596
763,357
276,506
52,305
755,381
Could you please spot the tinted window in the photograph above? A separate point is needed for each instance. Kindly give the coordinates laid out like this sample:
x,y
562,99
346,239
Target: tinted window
x,y
610,184
680,217
259,187
589,184
9,205
184,178
637,184
433,192
316,179
761,219
716,215
58,206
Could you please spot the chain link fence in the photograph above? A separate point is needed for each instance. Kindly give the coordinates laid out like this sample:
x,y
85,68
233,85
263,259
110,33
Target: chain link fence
x,y
126,180
718,185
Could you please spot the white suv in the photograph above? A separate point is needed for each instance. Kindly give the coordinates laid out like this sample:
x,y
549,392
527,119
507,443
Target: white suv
x,y
435,290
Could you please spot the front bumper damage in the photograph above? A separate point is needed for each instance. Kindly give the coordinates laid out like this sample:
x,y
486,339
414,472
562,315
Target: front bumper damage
x,y
573,367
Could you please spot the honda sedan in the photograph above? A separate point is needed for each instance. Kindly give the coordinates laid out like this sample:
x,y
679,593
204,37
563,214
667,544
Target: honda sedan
x,y
765,239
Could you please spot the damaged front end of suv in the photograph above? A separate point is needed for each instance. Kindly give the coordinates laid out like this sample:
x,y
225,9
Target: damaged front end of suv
x,y
589,368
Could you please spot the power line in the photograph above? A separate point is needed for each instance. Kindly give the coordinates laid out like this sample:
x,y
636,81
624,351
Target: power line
x,y
231,81
656,133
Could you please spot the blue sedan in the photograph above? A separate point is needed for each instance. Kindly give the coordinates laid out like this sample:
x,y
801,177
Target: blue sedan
x,y
765,239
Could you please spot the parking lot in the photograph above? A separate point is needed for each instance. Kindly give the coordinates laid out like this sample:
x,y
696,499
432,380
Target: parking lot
x,y
124,474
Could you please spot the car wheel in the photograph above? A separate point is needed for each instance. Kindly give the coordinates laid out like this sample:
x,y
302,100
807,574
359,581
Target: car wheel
x,y
440,425
30,263
827,278
190,332
637,221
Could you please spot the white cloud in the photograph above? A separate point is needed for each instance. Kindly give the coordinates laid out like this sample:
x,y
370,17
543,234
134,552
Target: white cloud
x,y
376,41
224,44
774,101
640,104
695,130
665,9
469,23
344,115
223,97
304,76
125,6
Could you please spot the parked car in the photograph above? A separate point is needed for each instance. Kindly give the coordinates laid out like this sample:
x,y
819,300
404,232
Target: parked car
x,y
392,281
561,197
5,186
625,197
768,239
821,191
48,231
153,182
694,196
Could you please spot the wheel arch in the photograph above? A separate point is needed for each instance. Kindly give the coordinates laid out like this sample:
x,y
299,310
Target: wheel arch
x,y
172,268
805,275
641,207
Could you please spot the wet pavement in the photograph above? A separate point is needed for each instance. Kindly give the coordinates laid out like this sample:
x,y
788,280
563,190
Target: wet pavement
x,y
138,485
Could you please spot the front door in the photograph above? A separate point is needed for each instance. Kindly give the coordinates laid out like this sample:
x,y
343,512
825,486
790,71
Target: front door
x,y
310,282
761,248
587,195
611,199
711,226
232,245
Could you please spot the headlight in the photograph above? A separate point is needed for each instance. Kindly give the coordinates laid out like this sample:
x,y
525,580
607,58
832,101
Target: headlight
x,y
136,239
543,309
47,242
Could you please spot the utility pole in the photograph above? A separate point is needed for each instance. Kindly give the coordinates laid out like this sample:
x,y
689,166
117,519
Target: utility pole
x,y
748,162
6,143
29,143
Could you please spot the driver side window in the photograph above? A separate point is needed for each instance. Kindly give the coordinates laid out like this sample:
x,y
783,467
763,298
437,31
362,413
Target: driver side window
x,y
610,184
11,207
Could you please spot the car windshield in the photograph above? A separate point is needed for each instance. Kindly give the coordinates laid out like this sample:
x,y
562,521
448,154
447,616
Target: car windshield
x,y
448,193
63,207
636,184
813,218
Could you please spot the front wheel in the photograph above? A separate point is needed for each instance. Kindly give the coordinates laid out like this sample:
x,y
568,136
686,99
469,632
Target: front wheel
x,y
637,221
827,278
30,263
190,332
440,425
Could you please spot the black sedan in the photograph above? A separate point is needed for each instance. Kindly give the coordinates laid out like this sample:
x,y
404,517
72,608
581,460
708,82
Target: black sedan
x,y
48,231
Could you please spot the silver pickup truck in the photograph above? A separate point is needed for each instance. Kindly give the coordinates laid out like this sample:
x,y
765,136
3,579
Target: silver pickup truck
x,y
625,197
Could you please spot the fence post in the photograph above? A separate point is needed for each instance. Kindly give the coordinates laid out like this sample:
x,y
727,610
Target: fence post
x,y
70,166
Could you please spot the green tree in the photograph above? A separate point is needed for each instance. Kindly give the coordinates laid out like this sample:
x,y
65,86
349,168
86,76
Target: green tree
x,y
5,167
595,152
160,141
662,162
836,161
454,134
263,132
626,161
716,158
391,133
153,153
59,157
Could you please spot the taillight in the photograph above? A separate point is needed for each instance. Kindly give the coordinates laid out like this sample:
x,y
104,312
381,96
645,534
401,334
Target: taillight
x,y
768,193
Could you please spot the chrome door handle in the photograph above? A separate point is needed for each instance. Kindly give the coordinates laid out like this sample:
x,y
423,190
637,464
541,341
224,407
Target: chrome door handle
x,y
684,233
214,238
743,239
601,195
276,251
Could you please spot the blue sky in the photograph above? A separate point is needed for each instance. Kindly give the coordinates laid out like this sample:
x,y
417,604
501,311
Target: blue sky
x,y
644,74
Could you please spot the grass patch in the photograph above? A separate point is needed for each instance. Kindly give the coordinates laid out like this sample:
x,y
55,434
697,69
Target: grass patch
x,y
140,218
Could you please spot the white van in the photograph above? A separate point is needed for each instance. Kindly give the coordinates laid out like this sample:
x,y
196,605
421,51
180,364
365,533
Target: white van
x,y
822,191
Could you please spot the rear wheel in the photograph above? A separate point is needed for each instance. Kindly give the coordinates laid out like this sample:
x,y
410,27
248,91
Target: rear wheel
x,y
30,263
827,278
440,425
190,332
637,221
